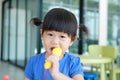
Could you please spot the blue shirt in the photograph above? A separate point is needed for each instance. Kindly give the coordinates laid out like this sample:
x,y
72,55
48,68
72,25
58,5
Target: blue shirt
x,y
70,65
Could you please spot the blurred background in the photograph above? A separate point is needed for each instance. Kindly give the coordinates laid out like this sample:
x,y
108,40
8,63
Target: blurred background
x,y
20,39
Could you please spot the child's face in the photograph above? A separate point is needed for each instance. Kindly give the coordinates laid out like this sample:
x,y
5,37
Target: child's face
x,y
52,39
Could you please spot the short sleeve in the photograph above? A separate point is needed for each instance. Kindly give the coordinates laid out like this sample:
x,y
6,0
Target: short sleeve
x,y
29,69
75,67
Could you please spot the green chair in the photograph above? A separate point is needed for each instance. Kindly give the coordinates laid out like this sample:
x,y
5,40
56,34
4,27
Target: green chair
x,y
110,51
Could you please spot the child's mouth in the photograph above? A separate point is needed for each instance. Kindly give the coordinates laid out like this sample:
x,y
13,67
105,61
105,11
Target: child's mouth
x,y
52,48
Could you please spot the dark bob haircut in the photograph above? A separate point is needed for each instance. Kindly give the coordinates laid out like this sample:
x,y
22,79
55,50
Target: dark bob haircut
x,y
60,20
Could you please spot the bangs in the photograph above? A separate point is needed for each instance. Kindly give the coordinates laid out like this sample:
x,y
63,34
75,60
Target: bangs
x,y
60,20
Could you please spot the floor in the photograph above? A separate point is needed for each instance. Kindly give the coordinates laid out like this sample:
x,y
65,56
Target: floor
x,y
13,72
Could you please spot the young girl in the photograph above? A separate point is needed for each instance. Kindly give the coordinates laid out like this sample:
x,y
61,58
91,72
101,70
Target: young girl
x,y
58,30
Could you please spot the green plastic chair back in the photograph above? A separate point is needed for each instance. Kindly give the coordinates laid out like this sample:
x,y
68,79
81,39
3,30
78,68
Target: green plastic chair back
x,y
95,50
109,51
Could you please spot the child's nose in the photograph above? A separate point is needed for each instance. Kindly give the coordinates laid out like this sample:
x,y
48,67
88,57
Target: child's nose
x,y
56,40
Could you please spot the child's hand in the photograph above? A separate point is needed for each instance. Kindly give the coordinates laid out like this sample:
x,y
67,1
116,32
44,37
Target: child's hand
x,y
54,70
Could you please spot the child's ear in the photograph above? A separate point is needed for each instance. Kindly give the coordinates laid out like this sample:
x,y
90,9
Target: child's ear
x,y
73,40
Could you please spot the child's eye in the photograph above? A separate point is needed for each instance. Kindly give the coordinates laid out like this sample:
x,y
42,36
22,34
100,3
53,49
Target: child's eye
x,y
62,36
50,34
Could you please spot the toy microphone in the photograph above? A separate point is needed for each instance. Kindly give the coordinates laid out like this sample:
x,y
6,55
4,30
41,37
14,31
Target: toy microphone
x,y
57,51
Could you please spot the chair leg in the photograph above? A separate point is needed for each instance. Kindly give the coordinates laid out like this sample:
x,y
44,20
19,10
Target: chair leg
x,y
117,76
114,76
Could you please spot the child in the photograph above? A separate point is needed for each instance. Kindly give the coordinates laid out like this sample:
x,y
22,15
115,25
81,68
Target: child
x,y
58,30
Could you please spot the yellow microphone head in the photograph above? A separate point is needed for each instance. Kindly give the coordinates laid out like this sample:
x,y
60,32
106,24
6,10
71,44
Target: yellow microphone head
x,y
57,51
